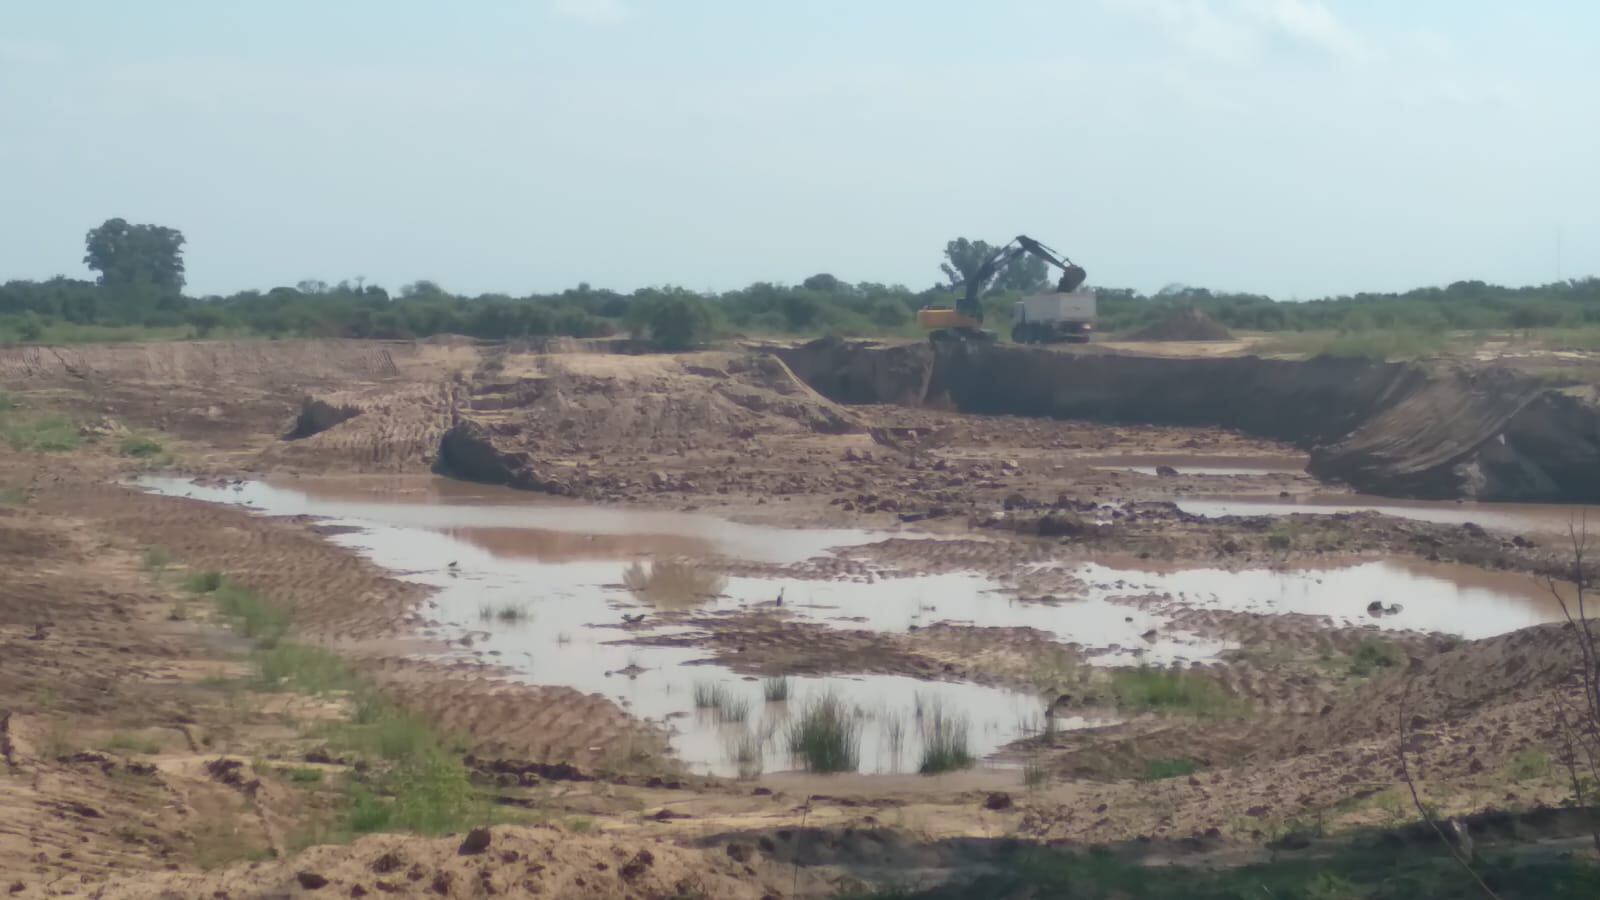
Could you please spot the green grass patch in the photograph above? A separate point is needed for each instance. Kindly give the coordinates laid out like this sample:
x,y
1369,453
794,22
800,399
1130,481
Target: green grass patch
x,y
1373,655
1160,769
156,559
122,742
1147,689
141,446
12,496
946,745
1529,764
826,737
202,582
40,434
304,668
254,617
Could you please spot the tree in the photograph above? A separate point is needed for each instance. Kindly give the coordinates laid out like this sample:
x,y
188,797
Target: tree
x,y
140,257
963,258
821,281
674,321
1027,274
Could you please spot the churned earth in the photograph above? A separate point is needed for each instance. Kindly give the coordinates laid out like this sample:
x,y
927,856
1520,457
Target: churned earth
x,y
1166,639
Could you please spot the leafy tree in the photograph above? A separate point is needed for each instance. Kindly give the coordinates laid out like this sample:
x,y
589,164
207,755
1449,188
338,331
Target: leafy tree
x,y
1027,274
963,258
673,321
822,282
139,257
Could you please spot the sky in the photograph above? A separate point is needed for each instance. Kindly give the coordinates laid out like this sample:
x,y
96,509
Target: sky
x,y
1298,148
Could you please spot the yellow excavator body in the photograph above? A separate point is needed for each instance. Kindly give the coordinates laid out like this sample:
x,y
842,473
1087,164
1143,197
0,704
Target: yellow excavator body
x,y
936,317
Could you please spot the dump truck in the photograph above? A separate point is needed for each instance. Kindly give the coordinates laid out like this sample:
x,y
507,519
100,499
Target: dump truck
x,y
1053,318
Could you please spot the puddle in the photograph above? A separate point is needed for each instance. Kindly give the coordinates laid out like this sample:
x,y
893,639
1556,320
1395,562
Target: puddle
x,y
565,568
1549,518
1205,466
1452,599
561,567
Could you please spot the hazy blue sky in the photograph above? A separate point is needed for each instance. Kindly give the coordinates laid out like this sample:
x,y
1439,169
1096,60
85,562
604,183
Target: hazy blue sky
x,y
1294,147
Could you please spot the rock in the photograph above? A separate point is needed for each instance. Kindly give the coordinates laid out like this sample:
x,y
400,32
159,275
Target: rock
x,y
1149,635
1474,529
1166,472
311,881
636,866
1257,812
476,842
1015,501
1375,608
388,862
357,890
997,801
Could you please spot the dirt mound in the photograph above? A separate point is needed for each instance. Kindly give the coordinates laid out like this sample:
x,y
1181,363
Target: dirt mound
x,y
523,424
384,428
1522,665
1188,324
507,861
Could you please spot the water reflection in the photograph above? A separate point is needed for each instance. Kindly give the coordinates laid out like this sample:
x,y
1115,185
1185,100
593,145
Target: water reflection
x,y
673,583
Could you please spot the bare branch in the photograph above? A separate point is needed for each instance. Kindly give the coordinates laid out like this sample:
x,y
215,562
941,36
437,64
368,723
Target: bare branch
x,y
1416,800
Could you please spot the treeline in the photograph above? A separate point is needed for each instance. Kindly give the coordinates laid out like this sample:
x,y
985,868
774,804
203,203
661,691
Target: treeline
x,y
61,308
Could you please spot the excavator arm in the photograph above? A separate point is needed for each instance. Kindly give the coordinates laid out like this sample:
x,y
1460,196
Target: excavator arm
x,y
971,303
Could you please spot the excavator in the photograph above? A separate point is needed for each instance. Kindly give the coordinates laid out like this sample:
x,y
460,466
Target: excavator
x,y
964,322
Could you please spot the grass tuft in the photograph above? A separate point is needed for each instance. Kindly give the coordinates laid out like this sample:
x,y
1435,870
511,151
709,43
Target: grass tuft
x,y
826,737
203,582
945,741
745,752
708,694
141,446
156,559
775,690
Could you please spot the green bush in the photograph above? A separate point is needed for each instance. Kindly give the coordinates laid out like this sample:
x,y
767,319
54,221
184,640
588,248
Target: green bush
x,y
1372,655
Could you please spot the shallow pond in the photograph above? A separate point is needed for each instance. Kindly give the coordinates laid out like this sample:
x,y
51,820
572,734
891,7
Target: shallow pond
x,y
538,586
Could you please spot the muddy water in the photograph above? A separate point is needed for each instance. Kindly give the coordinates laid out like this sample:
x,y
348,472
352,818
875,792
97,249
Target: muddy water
x,y
560,567
1202,465
1545,518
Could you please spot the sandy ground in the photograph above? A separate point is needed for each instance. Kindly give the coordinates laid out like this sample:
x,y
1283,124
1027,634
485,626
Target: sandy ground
x,y
139,763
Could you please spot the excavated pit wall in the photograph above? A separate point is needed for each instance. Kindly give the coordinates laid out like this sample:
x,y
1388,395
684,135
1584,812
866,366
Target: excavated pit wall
x,y
1387,428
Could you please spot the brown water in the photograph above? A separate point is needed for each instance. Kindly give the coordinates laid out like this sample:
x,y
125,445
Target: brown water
x,y
1532,518
567,565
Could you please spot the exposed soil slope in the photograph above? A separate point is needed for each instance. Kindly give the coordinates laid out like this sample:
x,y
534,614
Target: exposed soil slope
x,y
1386,428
